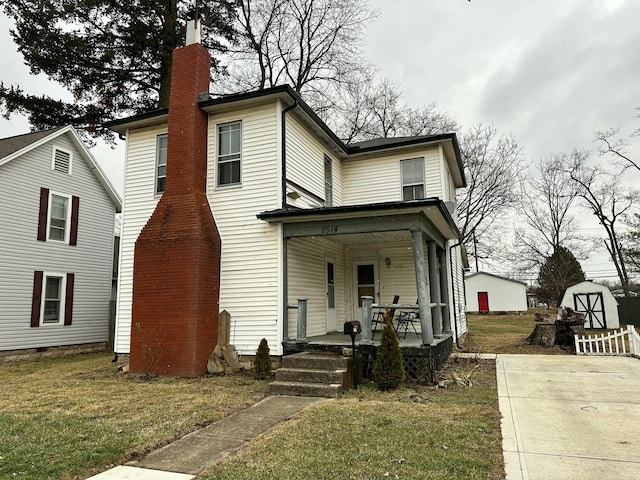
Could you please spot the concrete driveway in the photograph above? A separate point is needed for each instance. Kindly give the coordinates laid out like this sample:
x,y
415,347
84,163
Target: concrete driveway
x,y
569,417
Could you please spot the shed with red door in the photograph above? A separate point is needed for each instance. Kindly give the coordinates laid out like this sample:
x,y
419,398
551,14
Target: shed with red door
x,y
486,292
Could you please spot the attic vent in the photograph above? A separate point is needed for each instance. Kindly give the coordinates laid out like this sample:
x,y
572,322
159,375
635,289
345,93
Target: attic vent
x,y
61,161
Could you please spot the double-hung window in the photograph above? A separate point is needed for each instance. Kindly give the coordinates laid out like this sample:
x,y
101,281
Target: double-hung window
x,y
412,178
229,153
52,302
161,163
328,182
58,217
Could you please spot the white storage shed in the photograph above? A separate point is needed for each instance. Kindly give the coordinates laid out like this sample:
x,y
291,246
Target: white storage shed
x,y
486,292
595,301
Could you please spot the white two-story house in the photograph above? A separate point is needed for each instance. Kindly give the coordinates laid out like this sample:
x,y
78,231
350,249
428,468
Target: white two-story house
x,y
302,215
56,242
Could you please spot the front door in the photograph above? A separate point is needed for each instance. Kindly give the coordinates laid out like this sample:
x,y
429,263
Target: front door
x,y
330,275
365,283
483,302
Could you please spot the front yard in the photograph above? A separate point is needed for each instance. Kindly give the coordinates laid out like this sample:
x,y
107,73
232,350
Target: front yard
x,y
72,417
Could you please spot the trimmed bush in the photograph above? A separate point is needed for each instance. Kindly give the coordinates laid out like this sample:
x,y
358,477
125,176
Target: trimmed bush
x,y
388,372
262,362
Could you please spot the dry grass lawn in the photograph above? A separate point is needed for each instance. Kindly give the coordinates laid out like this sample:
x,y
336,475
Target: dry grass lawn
x,y
72,417
504,334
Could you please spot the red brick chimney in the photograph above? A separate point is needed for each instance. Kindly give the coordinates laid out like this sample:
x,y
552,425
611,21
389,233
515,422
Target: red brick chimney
x,y
176,277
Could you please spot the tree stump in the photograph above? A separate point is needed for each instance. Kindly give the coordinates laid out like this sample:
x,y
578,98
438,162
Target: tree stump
x,y
544,334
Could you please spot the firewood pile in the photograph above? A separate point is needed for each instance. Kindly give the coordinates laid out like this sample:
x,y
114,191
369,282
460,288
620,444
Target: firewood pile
x,y
549,332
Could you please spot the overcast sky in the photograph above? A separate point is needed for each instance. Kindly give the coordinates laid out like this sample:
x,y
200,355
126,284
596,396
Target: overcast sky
x,y
550,71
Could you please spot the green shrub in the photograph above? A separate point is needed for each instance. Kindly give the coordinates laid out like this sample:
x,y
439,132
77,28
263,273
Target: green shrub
x,y
262,362
388,372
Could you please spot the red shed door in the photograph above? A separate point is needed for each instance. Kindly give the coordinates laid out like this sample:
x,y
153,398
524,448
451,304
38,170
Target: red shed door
x,y
483,301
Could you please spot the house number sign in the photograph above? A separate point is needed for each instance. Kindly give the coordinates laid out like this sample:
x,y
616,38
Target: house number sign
x,y
329,229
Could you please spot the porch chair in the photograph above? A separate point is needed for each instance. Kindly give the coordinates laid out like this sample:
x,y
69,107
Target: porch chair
x,y
406,320
378,317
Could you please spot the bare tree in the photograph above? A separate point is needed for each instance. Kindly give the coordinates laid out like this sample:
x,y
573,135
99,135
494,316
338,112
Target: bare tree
x,y
492,165
544,207
303,43
612,144
604,193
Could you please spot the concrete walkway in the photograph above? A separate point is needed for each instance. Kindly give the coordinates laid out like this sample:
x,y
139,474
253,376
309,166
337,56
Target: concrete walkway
x,y
184,458
569,417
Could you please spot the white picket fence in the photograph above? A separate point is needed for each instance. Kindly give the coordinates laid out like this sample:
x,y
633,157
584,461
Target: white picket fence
x,y
623,342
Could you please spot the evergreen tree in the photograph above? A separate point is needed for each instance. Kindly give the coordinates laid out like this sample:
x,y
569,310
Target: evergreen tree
x,y
560,271
388,371
114,57
262,361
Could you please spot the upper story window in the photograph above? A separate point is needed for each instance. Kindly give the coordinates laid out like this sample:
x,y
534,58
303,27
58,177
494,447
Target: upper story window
x,y
61,161
328,182
161,163
229,153
412,178
58,217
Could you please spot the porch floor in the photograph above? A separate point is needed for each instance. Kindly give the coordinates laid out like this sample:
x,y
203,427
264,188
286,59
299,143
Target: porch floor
x,y
339,339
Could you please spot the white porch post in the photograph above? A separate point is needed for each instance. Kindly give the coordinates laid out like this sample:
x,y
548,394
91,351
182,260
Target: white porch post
x,y
444,291
434,287
422,286
365,326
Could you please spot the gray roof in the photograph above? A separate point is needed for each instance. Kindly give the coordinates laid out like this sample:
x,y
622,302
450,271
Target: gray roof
x,y
11,145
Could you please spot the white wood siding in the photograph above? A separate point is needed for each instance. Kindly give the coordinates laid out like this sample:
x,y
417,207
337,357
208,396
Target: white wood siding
x,y
21,254
378,178
138,204
504,295
307,279
305,161
458,299
251,260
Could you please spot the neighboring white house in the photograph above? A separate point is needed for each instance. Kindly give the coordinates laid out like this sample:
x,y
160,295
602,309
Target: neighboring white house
x,y
302,215
56,242
486,292
595,301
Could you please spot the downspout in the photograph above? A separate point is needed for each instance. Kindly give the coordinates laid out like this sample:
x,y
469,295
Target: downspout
x,y
283,132
285,275
453,291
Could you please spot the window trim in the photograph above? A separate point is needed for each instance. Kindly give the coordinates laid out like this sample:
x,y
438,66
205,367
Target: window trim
x,y
157,165
67,229
63,298
217,149
403,185
53,159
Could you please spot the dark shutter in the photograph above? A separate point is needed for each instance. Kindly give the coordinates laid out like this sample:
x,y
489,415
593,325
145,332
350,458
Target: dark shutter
x,y
42,214
73,237
68,301
36,300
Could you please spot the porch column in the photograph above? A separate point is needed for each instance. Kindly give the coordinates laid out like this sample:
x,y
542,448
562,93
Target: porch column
x,y
302,321
285,289
434,284
365,325
422,286
444,291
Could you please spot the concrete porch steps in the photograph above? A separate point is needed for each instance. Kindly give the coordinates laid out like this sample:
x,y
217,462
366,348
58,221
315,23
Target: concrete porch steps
x,y
313,375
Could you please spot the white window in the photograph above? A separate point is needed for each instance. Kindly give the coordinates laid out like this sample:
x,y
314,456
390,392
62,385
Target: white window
x,y
59,217
412,178
54,287
328,182
229,153
161,163
61,161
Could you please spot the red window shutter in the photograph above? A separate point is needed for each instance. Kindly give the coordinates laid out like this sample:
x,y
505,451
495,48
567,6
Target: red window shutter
x,y
42,214
68,302
36,300
75,205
